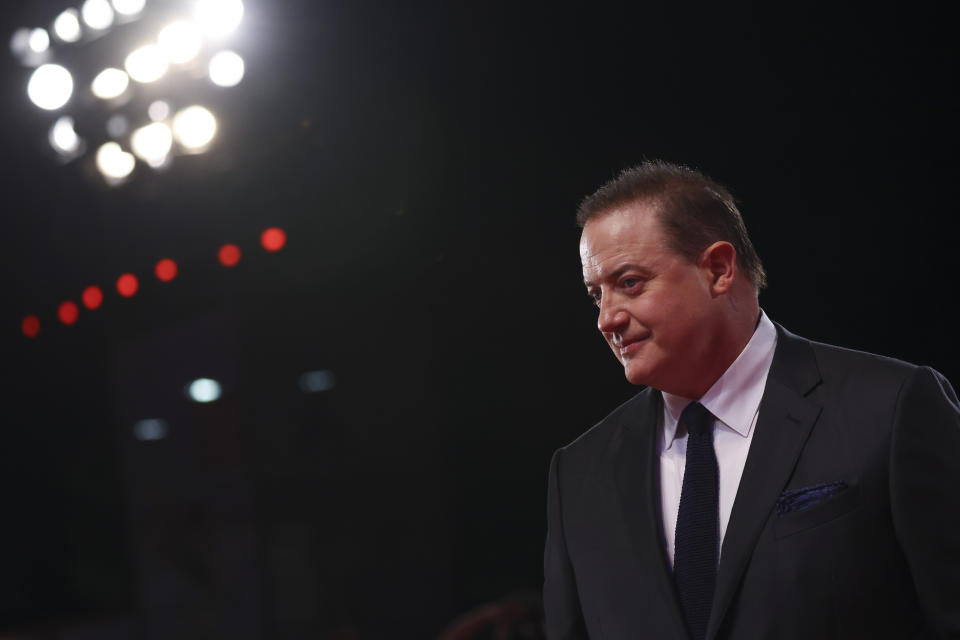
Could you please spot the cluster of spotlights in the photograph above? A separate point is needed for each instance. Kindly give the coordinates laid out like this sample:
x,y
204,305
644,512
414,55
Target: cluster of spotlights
x,y
192,43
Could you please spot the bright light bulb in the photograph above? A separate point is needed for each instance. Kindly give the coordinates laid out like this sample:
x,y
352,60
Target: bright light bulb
x,y
128,7
50,86
63,138
152,143
194,128
114,163
146,64
110,83
39,40
218,17
226,69
180,41
97,14
204,390
67,26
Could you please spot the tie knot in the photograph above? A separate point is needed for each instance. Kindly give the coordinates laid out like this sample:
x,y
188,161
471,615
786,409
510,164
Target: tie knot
x,y
697,419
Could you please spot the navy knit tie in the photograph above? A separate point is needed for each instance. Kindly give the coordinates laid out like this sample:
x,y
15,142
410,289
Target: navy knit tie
x,y
697,546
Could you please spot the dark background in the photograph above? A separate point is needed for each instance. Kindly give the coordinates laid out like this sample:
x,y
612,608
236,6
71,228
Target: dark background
x,y
426,160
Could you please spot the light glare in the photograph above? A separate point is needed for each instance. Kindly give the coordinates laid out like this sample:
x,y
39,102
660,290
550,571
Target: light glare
x,y
226,69
146,64
114,163
128,7
97,14
39,40
67,26
50,86
152,143
194,128
218,17
110,83
180,41
63,138
204,390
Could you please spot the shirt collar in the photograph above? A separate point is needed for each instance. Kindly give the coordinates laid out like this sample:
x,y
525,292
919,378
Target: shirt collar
x,y
735,397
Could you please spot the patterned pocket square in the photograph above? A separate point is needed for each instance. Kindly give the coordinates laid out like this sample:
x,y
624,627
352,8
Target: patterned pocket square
x,y
799,499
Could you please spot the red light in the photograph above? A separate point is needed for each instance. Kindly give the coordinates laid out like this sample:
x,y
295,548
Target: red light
x,y
127,285
68,312
92,297
229,255
273,239
31,326
166,270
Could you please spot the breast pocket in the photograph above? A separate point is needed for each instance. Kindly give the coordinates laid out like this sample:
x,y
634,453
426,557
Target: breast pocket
x,y
830,509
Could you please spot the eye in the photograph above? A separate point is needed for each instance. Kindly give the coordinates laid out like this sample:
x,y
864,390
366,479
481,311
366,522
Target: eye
x,y
594,297
631,282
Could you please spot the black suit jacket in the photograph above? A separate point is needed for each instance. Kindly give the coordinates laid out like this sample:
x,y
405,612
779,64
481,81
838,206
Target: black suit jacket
x,y
880,559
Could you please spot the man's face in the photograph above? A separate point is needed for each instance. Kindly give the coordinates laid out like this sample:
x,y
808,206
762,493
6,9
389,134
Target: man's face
x,y
656,307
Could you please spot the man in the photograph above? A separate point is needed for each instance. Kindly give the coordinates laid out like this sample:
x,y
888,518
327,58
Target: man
x,y
762,485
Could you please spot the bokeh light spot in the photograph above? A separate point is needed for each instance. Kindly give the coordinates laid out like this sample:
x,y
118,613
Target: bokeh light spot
x,y
166,270
30,326
68,312
203,390
151,429
317,381
92,297
127,285
229,255
50,87
273,239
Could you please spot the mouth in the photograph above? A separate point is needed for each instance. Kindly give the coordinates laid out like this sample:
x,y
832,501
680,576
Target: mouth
x,y
629,347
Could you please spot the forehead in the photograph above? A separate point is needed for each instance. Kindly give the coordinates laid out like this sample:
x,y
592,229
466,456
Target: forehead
x,y
628,235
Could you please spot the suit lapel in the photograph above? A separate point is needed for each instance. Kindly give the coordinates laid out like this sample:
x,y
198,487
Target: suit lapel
x,y
783,425
636,476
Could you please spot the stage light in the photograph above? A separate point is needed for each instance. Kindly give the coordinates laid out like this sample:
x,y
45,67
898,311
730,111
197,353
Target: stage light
x,y
165,270
273,239
316,381
194,128
64,139
68,312
67,26
218,17
158,110
110,83
226,69
92,297
146,64
229,255
97,14
152,143
20,42
127,285
39,40
50,87
204,390
30,326
180,41
150,429
114,163
128,7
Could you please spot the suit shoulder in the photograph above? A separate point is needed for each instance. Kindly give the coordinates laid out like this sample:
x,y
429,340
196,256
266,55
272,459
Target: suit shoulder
x,y
871,368
597,436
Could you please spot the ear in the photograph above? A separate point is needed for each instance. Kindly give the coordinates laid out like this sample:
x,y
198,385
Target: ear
x,y
719,265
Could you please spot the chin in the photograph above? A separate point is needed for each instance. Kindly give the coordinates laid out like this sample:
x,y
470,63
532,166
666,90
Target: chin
x,y
637,375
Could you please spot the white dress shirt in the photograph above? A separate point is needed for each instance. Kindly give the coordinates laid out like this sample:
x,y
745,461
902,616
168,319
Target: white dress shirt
x,y
734,399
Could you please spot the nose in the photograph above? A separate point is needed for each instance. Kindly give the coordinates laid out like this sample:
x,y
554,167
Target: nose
x,y
612,317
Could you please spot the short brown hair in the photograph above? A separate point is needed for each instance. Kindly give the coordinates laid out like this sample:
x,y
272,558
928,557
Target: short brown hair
x,y
695,211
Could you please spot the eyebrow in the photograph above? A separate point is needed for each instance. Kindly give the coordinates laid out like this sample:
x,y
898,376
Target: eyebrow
x,y
616,273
